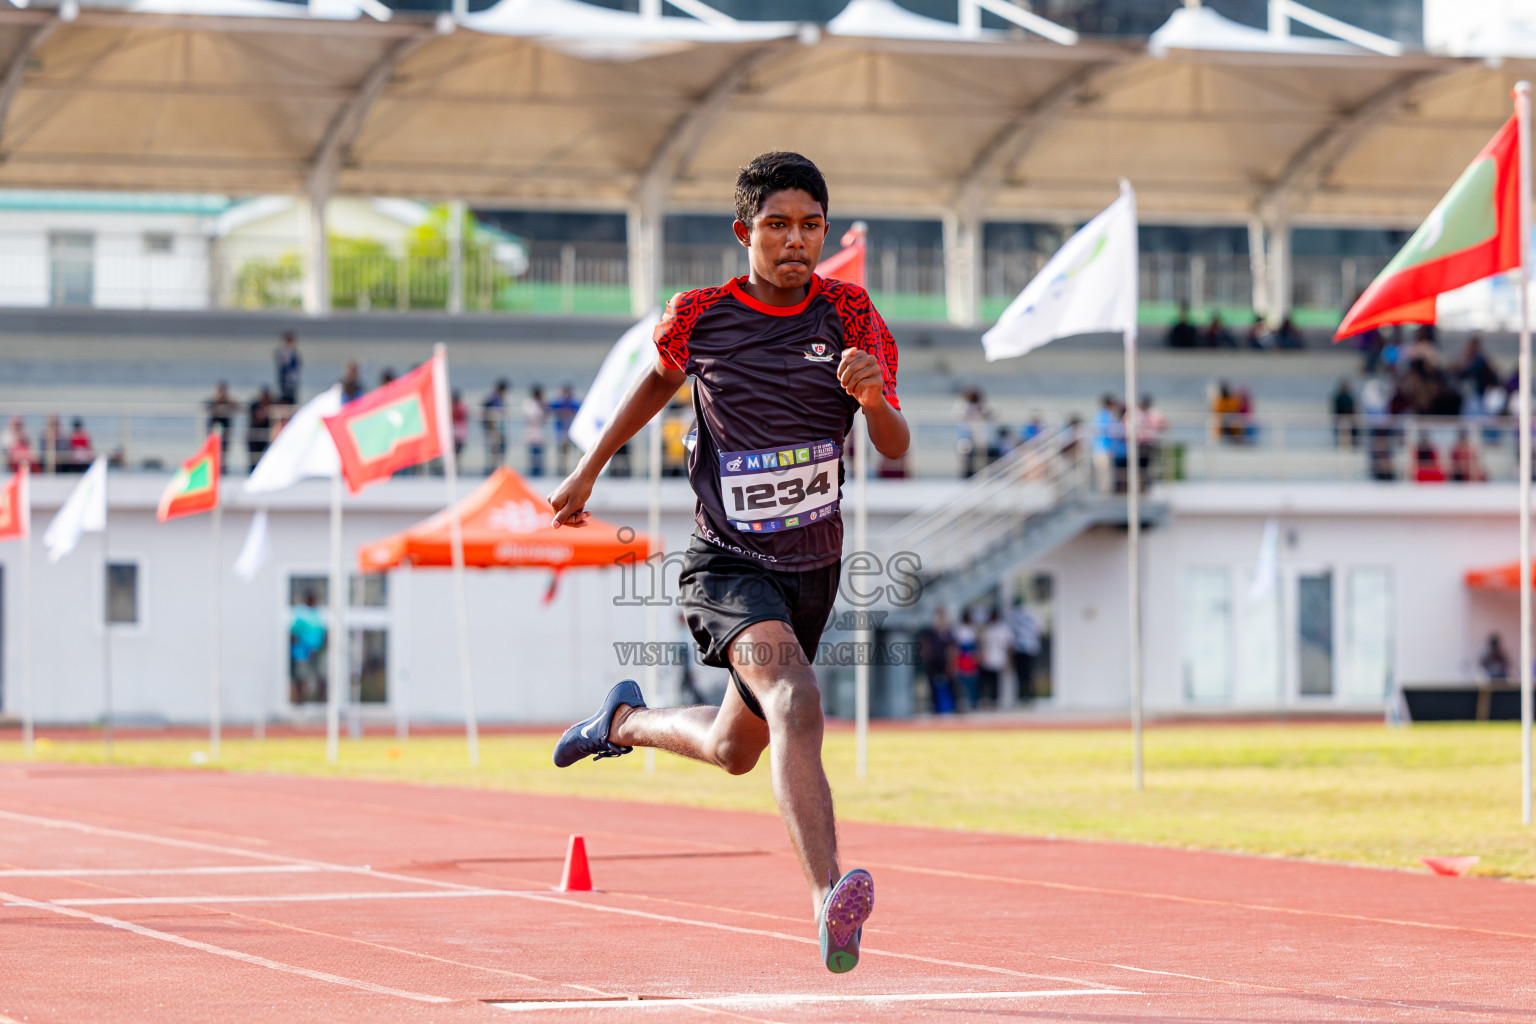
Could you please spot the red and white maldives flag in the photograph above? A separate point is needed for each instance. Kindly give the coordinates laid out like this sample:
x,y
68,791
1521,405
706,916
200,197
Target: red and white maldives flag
x,y
848,264
16,506
402,424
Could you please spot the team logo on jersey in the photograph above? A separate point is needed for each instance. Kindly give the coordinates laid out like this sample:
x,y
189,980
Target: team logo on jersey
x,y
819,352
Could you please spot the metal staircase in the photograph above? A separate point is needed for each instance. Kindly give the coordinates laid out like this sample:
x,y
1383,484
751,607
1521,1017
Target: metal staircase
x,y
1014,512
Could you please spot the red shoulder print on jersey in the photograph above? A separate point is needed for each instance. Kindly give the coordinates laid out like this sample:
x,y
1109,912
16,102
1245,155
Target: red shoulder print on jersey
x,y
864,328
676,326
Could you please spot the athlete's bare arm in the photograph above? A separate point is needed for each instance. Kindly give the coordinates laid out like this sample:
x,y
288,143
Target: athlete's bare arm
x,y
648,397
859,373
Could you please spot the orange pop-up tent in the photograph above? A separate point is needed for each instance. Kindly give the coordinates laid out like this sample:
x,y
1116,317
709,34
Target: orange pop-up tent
x,y
506,525
1497,577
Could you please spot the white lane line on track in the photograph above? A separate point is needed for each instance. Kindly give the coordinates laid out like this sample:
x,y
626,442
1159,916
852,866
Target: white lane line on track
x,y
311,897
224,869
148,837
233,954
771,1001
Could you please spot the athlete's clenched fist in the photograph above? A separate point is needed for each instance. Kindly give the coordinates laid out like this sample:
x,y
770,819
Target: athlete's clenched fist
x,y
859,374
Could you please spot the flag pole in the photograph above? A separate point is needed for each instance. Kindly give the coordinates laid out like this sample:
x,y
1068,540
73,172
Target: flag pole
x,y
1133,550
106,625
1523,116
26,615
456,540
652,604
861,649
334,633
215,724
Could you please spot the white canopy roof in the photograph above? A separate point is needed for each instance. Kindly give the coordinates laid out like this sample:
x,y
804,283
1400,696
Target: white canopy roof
x,y
1200,28
560,104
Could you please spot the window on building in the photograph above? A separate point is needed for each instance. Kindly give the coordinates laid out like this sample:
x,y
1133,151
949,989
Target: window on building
x,y
1260,648
72,268
1314,634
369,590
1368,635
1207,633
122,607
159,241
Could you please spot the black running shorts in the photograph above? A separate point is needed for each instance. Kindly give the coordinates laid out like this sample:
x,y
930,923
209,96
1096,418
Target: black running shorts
x,y
722,594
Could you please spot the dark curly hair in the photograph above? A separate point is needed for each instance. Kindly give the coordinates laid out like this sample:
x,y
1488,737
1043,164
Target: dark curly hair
x,y
776,172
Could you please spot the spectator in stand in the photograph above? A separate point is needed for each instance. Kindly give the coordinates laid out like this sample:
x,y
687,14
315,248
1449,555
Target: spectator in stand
x,y
55,447
1466,467
1226,414
1245,415
258,427
1002,443
351,381
1494,662
966,668
386,376
1289,336
221,417
535,417
1183,333
1258,333
460,412
1426,462
1071,448
1370,344
289,367
1426,346
1151,424
1217,335
81,453
1345,428
994,642
563,411
1106,431
1376,403
493,420
1032,429
675,423
18,447
971,416
1024,640
1475,369
935,645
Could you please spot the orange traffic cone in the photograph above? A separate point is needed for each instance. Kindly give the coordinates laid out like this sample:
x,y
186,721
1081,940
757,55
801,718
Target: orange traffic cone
x,y
1449,865
577,877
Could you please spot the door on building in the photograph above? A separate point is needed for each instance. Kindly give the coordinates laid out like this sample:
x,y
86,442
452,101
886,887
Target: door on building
x,y
72,268
1314,633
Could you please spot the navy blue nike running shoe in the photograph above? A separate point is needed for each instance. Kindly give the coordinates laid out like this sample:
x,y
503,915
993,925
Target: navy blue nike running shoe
x,y
589,738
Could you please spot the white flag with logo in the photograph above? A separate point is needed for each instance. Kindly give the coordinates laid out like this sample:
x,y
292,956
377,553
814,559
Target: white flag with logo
x,y
632,355
84,511
1088,287
257,550
303,448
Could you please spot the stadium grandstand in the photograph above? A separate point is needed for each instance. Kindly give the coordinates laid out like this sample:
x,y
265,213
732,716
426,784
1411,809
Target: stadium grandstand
x,y
185,182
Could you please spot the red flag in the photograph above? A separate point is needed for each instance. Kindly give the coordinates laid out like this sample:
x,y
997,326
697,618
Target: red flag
x,y
1473,233
16,505
848,264
195,487
392,427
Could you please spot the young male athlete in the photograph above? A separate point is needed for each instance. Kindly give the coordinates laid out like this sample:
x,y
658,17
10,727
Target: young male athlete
x,y
781,361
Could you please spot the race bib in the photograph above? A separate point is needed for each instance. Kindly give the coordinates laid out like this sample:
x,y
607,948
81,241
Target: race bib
x,y
779,488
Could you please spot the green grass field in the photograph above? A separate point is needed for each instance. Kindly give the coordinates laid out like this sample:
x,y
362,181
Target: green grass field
x,y
1357,793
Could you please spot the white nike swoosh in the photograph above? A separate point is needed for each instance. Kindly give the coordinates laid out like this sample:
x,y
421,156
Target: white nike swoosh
x,y
587,732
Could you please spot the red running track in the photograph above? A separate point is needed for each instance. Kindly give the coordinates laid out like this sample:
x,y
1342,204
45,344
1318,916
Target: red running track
x,y
132,895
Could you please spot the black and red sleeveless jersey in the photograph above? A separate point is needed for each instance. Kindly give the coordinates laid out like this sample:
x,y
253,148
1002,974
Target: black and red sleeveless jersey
x,y
772,417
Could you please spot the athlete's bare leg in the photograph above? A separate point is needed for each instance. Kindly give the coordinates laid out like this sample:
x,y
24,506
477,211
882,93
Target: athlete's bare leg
x,y
733,738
